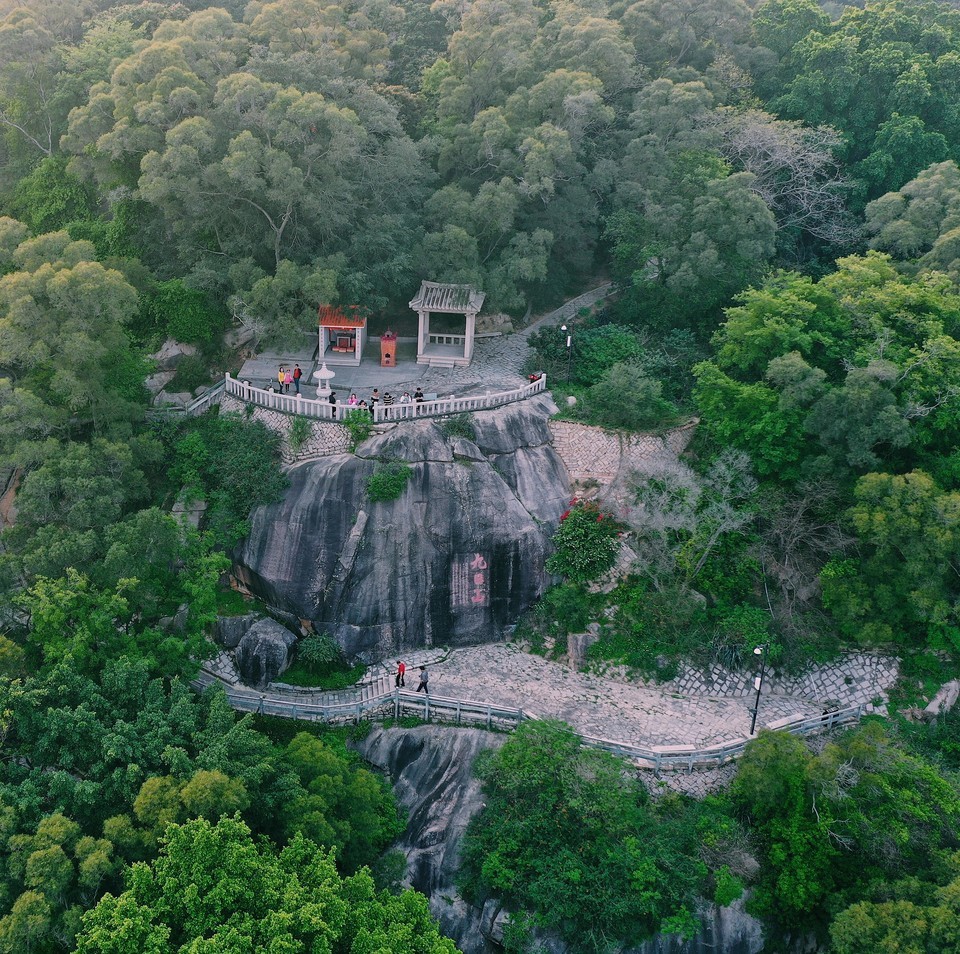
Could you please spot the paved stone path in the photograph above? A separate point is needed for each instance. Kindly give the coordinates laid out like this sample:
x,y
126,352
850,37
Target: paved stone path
x,y
612,706
496,364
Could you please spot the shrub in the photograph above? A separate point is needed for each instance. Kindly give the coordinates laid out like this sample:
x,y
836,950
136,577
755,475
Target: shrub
x,y
359,423
596,350
192,373
587,542
388,481
459,425
232,463
318,649
626,396
183,313
301,430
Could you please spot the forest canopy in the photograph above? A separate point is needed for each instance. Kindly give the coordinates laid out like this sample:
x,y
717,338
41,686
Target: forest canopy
x,y
773,189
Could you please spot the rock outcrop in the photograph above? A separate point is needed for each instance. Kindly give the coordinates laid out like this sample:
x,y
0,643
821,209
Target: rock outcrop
x,y
264,652
229,630
432,772
455,560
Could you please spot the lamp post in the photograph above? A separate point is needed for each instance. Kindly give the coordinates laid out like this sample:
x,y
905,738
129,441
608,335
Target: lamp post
x,y
563,328
758,683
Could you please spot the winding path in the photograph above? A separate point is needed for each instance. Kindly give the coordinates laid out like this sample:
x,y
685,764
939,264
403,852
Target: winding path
x,y
610,706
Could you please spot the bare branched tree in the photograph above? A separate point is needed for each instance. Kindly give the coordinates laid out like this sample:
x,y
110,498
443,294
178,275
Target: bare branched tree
x,y
796,538
674,509
795,167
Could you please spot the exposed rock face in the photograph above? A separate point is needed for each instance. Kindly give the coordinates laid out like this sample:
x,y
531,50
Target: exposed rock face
x,y
172,353
229,630
454,560
432,772
264,652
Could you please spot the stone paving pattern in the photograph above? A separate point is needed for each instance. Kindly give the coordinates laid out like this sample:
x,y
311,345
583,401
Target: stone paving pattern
x,y
495,367
597,456
694,710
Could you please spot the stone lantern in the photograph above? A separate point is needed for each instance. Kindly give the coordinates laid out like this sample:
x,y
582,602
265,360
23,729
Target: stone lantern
x,y
324,376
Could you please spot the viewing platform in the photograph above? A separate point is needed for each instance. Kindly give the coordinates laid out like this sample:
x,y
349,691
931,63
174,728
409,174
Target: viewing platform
x,y
323,410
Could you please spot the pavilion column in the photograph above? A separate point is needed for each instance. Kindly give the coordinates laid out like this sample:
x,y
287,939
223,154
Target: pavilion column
x,y
471,330
424,332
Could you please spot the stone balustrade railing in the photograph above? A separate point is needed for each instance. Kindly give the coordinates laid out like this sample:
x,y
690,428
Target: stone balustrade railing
x,y
440,339
322,409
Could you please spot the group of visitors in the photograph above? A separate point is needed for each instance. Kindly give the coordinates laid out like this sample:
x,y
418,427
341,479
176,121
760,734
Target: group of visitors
x,y
385,400
286,377
400,681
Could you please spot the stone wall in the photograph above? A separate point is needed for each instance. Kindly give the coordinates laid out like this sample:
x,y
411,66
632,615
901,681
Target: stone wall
x,y
596,456
326,438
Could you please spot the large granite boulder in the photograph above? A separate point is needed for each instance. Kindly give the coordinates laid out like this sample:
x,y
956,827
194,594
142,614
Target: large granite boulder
x,y
229,630
455,560
264,652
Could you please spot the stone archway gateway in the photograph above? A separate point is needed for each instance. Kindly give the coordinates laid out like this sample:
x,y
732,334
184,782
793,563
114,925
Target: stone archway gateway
x,y
442,349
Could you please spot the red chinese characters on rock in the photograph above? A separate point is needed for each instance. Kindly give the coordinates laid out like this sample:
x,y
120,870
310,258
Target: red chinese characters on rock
x,y
469,582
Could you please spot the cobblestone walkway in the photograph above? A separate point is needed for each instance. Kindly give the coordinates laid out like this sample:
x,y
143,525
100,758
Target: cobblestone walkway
x,y
612,706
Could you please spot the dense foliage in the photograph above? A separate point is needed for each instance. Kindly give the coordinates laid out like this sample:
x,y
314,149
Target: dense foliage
x,y
587,542
568,837
774,190
214,887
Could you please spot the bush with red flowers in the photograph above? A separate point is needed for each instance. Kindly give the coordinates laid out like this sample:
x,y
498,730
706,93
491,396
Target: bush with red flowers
x,y
587,542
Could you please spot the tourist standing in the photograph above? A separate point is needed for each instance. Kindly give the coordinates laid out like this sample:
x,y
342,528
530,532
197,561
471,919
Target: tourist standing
x,y
418,395
401,671
281,374
405,397
353,400
374,398
423,680
287,381
333,404
297,375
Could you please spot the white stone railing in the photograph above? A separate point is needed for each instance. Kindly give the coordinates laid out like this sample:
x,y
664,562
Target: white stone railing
x,y
323,410
447,339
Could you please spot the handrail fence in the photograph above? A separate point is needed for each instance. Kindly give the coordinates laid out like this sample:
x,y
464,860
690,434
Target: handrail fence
x,y
323,410
378,695
199,405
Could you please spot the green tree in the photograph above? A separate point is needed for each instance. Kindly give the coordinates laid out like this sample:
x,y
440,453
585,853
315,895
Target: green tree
x,y
569,839
903,585
342,806
213,885
63,316
626,396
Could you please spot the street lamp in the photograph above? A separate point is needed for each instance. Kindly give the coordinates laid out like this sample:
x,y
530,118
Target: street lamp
x,y
758,684
563,328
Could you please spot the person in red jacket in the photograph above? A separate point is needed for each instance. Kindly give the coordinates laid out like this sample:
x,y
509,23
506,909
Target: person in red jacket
x,y
401,670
